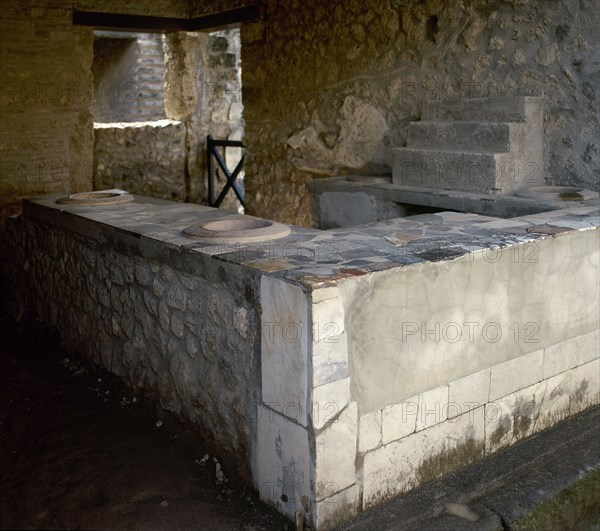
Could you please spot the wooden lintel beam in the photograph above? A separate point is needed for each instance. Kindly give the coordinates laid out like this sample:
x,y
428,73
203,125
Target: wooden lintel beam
x,y
120,22
115,21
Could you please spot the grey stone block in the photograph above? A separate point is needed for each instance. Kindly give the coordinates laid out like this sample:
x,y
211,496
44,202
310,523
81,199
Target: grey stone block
x,y
346,209
474,145
452,170
484,136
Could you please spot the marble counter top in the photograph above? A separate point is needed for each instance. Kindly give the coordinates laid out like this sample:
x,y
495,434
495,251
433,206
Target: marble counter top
x,y
316,258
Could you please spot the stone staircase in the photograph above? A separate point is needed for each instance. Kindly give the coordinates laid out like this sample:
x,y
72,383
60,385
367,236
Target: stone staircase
x,y
475,145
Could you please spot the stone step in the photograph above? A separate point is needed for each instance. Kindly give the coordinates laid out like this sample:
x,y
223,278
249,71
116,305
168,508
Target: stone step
x,y
470,171
498,109
468,136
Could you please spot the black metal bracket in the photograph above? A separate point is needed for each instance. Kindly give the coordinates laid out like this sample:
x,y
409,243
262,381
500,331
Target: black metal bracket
x,y
212,151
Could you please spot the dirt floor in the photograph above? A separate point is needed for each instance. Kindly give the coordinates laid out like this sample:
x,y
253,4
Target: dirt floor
x,y
78,451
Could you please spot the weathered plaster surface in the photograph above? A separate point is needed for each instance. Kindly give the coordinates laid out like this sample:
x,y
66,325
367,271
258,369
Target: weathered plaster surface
x,y
442,321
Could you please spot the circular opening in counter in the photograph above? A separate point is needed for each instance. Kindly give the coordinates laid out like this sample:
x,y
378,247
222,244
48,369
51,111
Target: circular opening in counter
x,y
570,196
557,193
369,179
101,197
237,229
236,224
93,196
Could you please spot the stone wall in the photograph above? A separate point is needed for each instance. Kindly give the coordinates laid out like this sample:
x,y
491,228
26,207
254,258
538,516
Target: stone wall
x,y
199,8
200,90
203,90
202,96
145,158
329,87
129,77
114,60
185,332
323,96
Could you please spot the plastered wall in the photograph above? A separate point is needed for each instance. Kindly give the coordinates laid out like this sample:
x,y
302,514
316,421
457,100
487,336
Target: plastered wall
x,y
329,87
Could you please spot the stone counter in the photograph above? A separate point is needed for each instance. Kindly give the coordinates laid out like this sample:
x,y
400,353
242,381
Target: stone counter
x,y
182,328
338,367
